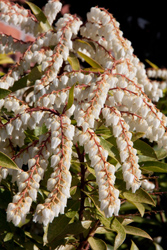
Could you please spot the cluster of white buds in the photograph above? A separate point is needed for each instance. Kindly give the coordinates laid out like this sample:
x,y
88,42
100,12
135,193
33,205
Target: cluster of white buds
x,y
8,44
113,89
157,73
159,76
129,159
147,185
52,8
59,183
105,172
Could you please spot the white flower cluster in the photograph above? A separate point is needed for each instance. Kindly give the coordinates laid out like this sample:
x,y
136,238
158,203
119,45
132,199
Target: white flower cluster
x,y
160,75
129,159
105,172
59,183
16,15
157,73
147,185
113,89
86,112
104,30
8,44
52,8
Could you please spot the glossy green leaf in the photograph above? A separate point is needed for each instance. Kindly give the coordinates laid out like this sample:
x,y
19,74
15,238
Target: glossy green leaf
x,y
139,206
133,246
43,22
137,232
121,234
90,61
73,61
154,166
137,135
28,79
97,244
4,93
140,196
6,162
145,149
70,98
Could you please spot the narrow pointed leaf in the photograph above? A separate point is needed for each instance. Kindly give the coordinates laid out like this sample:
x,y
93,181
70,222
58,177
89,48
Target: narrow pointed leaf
x,y
6,162
94,70
4,93
40,16
121,234
73,61
137,232
90,61
152,64
70,98
133,246
89,43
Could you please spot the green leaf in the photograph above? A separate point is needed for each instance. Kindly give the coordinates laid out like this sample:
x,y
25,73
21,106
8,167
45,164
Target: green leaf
x,y
5,59
161,153
89,43
140,196
40,130
158,247
70,98
152,64
43,22
133,246
97,244
73,61
154,166
112,151
145,149
121,234
137,135
4,93
6,162
100,214
90,61
28,79
137,232
58,226
139,206
94,70
8,237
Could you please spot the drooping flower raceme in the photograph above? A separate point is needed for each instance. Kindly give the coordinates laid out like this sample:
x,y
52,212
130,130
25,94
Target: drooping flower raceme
x,y
68,100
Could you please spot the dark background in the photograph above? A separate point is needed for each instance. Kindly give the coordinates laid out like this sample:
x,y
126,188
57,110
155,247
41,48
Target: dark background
x,y
149,40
